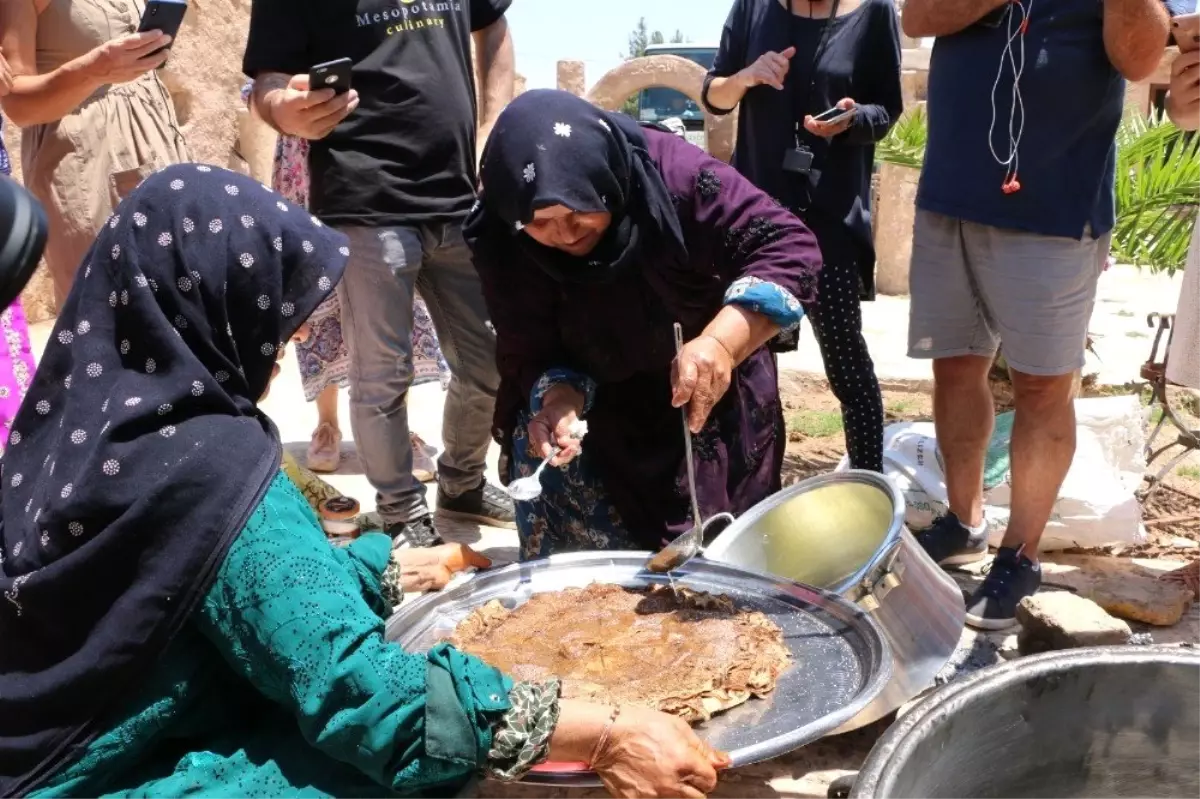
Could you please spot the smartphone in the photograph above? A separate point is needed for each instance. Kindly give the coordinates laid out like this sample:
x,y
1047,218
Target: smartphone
x,y
165,16
1185,32
331,75
834,115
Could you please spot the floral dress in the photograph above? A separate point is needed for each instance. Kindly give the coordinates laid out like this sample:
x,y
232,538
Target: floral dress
x,y
16,361
324,358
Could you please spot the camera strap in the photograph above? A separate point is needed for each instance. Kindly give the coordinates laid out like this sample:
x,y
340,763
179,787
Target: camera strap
x,y
804,98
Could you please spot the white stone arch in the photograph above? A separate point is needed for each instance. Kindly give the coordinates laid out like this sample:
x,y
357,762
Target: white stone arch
x,y
672,72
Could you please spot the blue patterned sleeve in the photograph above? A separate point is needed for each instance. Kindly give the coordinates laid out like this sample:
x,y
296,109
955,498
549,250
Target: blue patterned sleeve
x,y
553,377
288,617
769,299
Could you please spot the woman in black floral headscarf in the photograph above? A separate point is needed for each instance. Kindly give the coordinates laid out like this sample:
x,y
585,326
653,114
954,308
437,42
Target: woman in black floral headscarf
x,y
172,618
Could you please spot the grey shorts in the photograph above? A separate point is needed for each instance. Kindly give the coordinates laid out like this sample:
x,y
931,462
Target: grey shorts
x,y
976,288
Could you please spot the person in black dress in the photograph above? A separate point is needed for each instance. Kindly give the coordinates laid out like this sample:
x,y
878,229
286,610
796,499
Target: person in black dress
x,y
784,62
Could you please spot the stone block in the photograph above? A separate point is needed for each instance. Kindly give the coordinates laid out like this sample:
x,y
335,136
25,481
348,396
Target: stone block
x,y
1121,586
893,231
572,77
1061,620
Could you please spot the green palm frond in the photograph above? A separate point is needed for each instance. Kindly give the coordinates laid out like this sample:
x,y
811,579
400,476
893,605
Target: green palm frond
x,y
905,143
1157,185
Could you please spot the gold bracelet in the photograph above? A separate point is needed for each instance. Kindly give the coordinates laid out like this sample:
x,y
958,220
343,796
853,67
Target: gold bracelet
x,y
604,736
724,346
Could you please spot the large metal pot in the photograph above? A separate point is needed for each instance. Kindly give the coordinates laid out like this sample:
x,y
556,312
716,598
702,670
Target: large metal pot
x,y
1108,721
844,532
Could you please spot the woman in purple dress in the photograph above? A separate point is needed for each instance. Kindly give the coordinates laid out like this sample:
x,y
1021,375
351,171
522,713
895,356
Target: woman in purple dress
x,y
593,237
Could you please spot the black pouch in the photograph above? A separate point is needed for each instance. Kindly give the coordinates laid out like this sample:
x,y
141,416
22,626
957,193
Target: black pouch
x,y
798,160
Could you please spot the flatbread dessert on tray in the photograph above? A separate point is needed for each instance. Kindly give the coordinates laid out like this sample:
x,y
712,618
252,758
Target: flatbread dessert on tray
x,y
679,651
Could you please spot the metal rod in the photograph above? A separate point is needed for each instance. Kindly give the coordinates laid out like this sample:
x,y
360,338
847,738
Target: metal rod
x,y
687,441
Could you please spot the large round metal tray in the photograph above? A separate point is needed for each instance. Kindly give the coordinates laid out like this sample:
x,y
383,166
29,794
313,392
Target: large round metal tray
x,y
841,660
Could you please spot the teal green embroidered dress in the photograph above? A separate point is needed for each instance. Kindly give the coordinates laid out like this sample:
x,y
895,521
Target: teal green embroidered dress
x,y
282,684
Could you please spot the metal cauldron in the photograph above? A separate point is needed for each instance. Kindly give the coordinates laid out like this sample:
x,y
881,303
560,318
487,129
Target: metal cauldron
x,y
1107,721
844,532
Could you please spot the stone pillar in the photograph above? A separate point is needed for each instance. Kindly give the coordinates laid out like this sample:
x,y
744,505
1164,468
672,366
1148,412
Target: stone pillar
x,y
572,77
1137,99
893,229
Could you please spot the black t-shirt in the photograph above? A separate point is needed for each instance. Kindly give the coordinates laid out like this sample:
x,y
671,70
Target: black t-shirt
x,y
407,153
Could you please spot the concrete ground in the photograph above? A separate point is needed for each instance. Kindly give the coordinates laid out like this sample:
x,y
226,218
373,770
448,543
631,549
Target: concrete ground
x,y
1125,297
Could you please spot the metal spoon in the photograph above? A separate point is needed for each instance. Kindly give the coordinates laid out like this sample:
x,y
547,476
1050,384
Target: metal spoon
x,y
686,546
529,488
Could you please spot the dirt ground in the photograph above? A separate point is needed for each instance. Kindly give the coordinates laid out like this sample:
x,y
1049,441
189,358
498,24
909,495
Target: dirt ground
x,y
816,444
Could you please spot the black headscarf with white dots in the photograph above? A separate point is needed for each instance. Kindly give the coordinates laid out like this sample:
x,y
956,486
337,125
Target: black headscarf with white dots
x,y
550,148
139,452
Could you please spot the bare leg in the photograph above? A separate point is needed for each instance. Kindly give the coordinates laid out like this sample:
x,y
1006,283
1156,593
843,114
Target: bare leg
x,y
327,406
963,413
1043,444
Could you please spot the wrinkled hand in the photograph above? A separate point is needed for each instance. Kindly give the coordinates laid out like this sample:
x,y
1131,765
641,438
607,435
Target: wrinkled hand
x,y
127,57
830,129
6,76
431,569
769,68
651,754
310,114
561,407
700,376
1183,98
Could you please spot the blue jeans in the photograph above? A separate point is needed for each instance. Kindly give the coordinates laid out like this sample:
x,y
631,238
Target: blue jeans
x,y
386,265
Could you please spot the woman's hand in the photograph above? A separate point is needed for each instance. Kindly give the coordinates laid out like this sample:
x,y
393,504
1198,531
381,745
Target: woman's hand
x,y
830,129
561,407
700,376
6,76
1183,98
127,57
651,754
769,68
432,569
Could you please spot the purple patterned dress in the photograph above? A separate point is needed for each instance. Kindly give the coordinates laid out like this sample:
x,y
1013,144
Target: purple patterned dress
x,y
16,364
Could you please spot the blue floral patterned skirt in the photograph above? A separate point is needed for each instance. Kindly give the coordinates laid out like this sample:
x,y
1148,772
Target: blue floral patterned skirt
x,y
573,514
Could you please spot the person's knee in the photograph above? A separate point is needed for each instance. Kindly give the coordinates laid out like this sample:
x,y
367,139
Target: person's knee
x,y
1041,394
961,371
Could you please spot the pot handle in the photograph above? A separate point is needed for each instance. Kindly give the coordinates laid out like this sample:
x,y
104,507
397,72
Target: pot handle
x,y
882,579
841,787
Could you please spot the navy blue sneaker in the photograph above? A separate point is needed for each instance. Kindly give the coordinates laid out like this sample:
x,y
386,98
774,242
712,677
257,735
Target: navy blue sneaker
x,y
1010,578
951,543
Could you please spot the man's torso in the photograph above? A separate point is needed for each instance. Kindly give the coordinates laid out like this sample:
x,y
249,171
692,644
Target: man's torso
x,y
1072,99
407,153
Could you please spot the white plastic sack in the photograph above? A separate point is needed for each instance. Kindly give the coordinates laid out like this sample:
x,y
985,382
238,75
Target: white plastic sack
x,y
1096,505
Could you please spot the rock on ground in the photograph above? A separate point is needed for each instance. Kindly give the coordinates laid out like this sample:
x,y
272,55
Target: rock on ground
x,y
1061,620
1122,587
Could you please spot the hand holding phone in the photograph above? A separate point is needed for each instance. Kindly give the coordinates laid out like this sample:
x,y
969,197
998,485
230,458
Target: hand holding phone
x,y
832,121
127,57
310,113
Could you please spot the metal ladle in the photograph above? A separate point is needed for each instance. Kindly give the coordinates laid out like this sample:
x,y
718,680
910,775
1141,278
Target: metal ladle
x,y
686,546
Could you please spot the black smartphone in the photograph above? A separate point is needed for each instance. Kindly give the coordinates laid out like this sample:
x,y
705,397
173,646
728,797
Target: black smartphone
x,y
165,16
331,75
